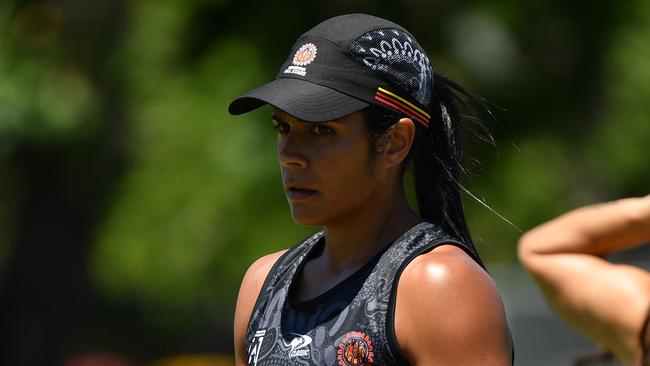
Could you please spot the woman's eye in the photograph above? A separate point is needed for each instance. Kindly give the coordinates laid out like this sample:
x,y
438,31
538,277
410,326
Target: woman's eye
x,y
282,128
321,130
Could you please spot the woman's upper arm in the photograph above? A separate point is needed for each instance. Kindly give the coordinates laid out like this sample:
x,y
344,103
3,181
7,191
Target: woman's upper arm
x,y
248,292
448,312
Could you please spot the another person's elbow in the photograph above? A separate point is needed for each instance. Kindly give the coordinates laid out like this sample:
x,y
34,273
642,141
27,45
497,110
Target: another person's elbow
x,y
526,249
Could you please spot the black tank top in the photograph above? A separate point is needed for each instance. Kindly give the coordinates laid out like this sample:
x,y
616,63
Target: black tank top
x,y
350,324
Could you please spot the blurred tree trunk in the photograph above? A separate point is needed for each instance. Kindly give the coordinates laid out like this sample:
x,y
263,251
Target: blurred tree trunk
x,y
46,300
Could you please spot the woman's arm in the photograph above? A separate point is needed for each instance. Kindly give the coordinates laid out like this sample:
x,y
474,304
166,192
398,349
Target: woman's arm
x,y
248,291
606,302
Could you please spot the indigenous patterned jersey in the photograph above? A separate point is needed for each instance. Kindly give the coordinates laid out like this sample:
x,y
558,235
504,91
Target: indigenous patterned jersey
x,y
348,325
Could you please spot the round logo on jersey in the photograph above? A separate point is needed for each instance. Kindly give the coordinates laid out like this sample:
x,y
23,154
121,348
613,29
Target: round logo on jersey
x,y
305,54
355,350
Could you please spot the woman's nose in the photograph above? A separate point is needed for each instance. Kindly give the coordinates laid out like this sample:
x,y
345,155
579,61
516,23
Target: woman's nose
x,y
291,151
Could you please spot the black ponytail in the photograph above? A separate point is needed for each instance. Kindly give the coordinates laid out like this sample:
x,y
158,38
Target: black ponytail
x,y
437,160
436,156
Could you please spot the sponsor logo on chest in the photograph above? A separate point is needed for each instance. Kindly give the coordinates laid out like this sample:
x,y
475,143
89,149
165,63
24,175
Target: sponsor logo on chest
x,y
298,346
255,347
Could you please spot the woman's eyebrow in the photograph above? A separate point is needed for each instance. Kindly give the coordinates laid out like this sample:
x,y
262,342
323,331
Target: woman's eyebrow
x,y
275,117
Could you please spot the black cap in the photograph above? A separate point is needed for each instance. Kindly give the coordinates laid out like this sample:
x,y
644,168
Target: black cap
x,y
345,64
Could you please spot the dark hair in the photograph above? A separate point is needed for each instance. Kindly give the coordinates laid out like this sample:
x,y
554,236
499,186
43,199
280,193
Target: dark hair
x,y
436,155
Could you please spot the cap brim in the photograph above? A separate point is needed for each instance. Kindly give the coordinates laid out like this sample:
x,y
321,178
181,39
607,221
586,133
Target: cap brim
x,y
301,99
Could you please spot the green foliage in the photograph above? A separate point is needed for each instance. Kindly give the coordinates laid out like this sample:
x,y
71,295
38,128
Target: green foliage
x,y
527,185
44,100
197,204
619,141
42,97
201,198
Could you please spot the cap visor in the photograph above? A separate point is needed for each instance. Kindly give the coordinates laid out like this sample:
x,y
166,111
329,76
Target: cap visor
x,y
302,99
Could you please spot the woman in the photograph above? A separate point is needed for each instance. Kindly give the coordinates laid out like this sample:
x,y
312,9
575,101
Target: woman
x,y
380,284
606,302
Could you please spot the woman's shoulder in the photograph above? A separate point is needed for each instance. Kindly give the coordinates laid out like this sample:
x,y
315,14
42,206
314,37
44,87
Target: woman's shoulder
x,y
446,262
447,270
446,305
249,290
259,270
254,278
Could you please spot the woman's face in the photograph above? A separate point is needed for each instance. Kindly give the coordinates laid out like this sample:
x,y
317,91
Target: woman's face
x,y
327,173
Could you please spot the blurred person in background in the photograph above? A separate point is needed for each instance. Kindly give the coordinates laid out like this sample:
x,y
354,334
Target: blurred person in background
x,y
607,302
354,104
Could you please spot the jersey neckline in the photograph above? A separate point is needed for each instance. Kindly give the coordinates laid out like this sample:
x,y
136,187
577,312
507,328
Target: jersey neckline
x,y
315,251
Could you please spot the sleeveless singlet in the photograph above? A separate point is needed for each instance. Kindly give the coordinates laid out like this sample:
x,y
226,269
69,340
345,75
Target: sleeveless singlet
x,y
348,325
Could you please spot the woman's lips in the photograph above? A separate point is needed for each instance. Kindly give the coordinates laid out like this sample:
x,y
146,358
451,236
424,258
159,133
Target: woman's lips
x,y
297,194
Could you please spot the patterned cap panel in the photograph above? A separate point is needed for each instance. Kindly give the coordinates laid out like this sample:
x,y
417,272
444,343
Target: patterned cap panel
x,y
399,60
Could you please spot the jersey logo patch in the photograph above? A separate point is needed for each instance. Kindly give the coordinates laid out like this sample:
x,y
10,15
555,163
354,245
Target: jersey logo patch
x,y
255,347
355,350
298,345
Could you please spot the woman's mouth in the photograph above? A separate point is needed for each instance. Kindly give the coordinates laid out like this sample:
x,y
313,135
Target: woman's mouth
x,y
297,194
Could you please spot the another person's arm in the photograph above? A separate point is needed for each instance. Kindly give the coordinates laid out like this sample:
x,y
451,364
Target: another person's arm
x,y
606,302
448,312
248,291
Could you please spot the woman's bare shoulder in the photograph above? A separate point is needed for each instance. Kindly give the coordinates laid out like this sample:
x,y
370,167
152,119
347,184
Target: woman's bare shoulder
x,y
447,304
248,291
257,272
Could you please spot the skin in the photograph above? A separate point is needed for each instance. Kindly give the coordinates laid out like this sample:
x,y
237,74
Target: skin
x,y
606,302
360,203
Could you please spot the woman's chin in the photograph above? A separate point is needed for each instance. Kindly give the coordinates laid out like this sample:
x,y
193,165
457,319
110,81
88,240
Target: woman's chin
x,y
304,217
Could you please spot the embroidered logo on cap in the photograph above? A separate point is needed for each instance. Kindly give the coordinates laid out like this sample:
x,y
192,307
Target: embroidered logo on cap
x,y
305,54
303,57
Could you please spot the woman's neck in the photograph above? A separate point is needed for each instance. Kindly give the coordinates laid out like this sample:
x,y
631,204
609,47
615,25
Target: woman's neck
x,y
352,242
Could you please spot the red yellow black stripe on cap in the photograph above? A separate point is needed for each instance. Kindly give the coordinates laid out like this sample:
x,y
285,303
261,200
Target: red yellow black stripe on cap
x,y
395,101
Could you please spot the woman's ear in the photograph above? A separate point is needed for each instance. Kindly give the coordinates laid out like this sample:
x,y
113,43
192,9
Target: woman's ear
x,y
399,142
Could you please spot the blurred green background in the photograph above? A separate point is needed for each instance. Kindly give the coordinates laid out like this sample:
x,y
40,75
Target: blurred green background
x,y
131,203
